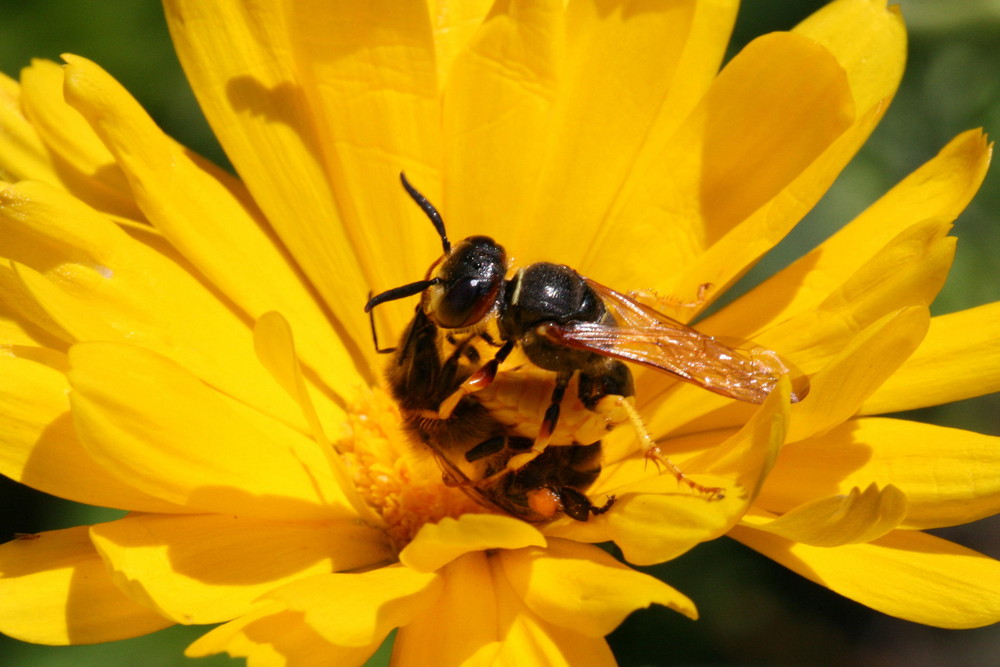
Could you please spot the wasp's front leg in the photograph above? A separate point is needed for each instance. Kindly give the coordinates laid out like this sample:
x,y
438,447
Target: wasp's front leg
x,y
547,427
478,381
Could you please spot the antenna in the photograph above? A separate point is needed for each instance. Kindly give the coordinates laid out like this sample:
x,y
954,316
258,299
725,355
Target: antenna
x,y
429,210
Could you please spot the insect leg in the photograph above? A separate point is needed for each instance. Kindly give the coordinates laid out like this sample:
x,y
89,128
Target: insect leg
x,y
548,425
371,323
478,381
652,451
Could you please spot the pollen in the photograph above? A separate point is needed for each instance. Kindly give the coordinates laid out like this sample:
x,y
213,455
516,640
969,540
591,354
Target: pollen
x,y
397,476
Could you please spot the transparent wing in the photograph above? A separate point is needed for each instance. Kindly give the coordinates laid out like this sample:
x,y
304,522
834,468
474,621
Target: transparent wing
x,y
741,370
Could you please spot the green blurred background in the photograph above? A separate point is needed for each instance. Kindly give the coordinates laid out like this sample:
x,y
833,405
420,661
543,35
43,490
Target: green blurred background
x,y
753,611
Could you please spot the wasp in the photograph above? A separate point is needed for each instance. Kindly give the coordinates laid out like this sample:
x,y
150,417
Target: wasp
x,y
567,327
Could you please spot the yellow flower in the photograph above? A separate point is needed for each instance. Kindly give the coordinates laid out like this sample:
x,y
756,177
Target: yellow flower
x,y
191,347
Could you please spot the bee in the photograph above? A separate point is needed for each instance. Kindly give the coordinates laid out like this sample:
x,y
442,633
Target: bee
x,y
568,327
472,447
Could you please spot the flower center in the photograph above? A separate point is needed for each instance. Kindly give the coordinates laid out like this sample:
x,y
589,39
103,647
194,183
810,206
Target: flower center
x,y
398,477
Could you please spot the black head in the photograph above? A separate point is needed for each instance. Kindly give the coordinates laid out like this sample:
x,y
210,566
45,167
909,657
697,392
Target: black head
x,y
468,279
467,283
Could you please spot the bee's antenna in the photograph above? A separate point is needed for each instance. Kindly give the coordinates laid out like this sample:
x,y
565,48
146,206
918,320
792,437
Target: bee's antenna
x,y
429,209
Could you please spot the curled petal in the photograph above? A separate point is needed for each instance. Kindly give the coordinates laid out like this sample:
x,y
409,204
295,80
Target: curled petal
x,y
911,575
946,474
439,543
582,588
859,516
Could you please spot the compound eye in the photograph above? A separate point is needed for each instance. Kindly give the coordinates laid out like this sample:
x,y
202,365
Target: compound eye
x,y
464,302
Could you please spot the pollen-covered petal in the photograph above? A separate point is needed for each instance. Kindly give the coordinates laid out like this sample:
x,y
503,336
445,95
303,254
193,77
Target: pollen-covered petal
x,y
858,516
98,283
200,449
359,609
907,574
41,448
270,636
213,223
946,473
439,543
54,589
958,359
85,167
210,568
880,246
240,61
770,113
583,588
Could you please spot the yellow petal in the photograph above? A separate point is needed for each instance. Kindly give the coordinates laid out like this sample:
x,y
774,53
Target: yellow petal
x,y
497,627
86,168
40,446
772,111
843,385
213,223
526,638
656,519
495,109
849,375
582,588
439,543
958,359
468,600
54,590
270,637
530,640
98,283
889,229
206,569
240,61
946,474
275,347
367,71
704,50
359,609
748,455
911,575
613,90
661,519
200,449
859,516
26,324
22,153
454,24
869,39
